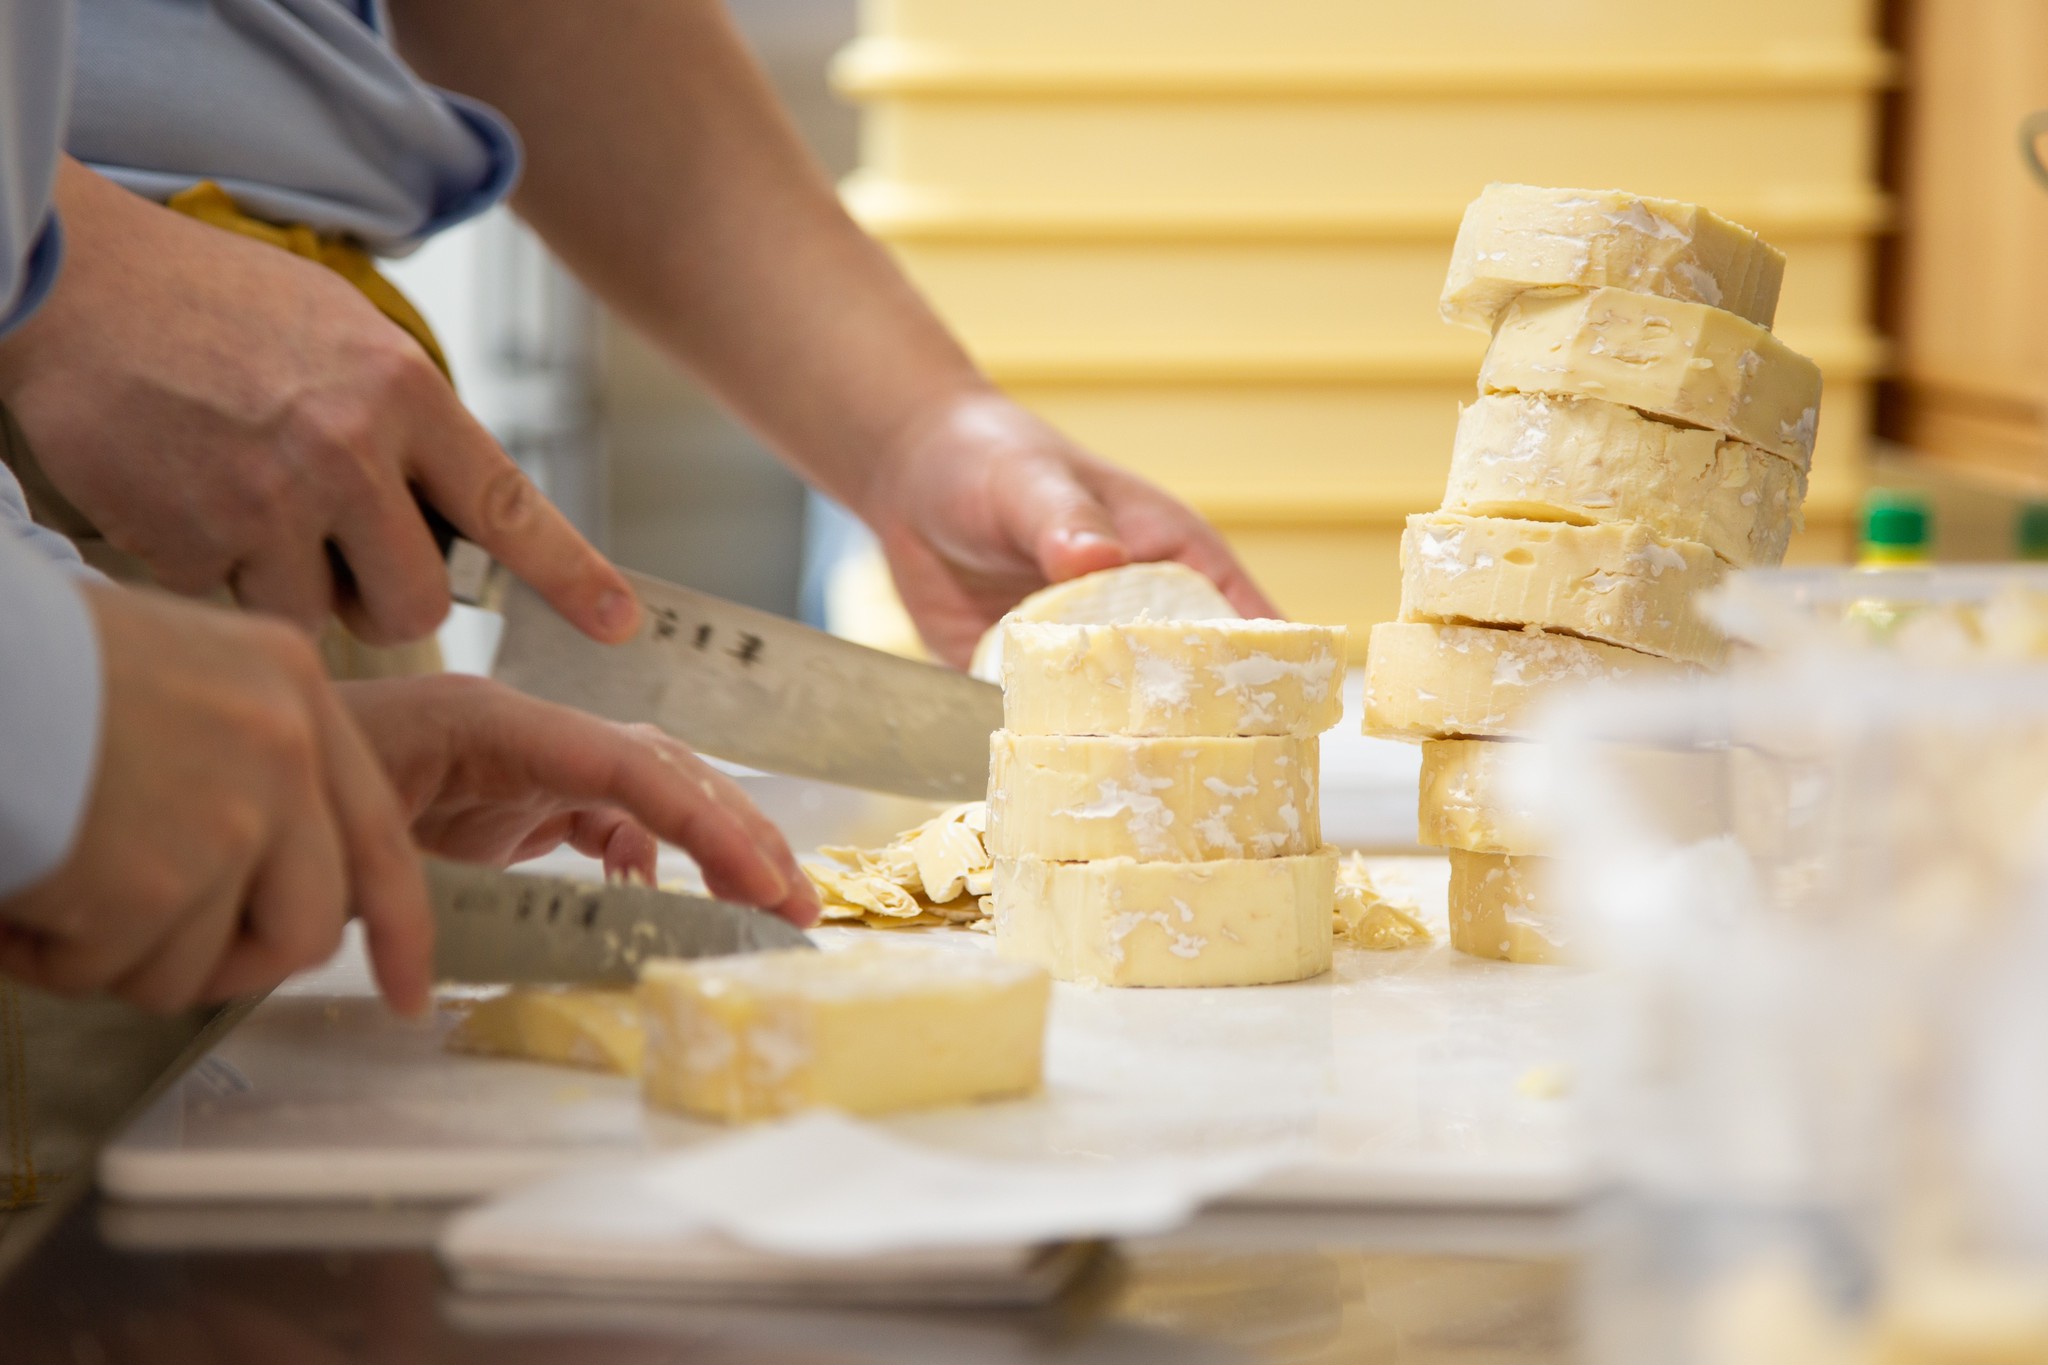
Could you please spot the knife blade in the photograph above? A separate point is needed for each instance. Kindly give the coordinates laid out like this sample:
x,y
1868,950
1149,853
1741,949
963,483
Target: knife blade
x,y
513,927
760,689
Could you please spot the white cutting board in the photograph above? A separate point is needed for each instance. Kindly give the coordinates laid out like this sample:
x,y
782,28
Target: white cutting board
x,y
1404,1078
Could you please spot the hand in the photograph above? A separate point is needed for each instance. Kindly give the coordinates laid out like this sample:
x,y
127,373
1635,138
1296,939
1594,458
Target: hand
x,y
236,821
236,416
988,503
488,775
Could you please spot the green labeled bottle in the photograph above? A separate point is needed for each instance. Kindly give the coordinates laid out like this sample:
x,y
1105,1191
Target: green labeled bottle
x,y
1898,533
2030,532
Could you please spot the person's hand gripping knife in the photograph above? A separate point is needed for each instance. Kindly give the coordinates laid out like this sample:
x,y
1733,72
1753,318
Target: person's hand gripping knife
x,y
244,808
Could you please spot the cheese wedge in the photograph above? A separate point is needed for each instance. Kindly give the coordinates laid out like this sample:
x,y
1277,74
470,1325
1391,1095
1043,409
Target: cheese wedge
x,y
1173,678
1071,798
1469,799
1546,457
1426,681
1134,592
872,1030
1683,361
594,1028
1119,922
1501,908
1616,582
1515,238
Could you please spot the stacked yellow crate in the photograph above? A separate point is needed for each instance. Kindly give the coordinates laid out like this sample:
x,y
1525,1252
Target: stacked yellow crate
x,y
1205,236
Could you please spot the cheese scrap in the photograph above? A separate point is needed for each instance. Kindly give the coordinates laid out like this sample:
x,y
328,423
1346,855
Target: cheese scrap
x,y
1684,361
1500,908
1468,799
1517,238
935,873
1134,592
1071,798
871,1030
1172,678
1545,457
586,1027
1367,918
1123,922
1619,583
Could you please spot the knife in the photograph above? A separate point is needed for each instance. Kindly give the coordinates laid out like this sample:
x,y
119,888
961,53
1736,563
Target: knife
x,y
760,689
513,927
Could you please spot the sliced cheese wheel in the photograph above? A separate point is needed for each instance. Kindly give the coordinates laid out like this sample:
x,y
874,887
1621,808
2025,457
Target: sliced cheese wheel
x,y
1503,908
1120,922
871,1030
1426,681
1516,238
1683,361
594,1028
1134,592
1547,457
1070,798
1173,678
1616,582
1469,799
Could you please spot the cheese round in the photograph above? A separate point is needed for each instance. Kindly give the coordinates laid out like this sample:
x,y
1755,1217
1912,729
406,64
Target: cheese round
x,y
1172,678
1163,591
1469,799
588,1027
1069,798
1546,457
1616,582
1120,922
1683,361
1515,238
1503,908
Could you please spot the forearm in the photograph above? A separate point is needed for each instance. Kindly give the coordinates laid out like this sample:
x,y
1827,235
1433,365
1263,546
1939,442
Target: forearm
x,y
662,170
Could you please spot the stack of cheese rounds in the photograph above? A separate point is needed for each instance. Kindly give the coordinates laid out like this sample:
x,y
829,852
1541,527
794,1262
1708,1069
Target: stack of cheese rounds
x,y
1638,432
1153,793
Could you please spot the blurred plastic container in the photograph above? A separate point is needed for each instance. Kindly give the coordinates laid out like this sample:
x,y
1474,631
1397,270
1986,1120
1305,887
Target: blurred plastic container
x,y
1938,614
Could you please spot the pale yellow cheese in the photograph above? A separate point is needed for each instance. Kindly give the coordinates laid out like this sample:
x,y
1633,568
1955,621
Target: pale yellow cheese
x,y
594,1028
1173,678
1368,918
1553,457
1119,922
1501,907
1515,238
871,1030
1426,681
1470,800
1965,1312
1163,591
1070,798
1684,361
1616,582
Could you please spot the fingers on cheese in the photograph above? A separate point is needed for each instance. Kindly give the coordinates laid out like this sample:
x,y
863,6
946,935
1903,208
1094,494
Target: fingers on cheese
x,y
1616,582
1469,799
1133,592
1545,457
1072,798
1120,922
594,1028
1501,907
1683,361
869,1030
1173,678
1515,238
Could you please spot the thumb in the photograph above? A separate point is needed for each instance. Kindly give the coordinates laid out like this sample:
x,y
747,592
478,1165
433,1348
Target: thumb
x,y
1060,523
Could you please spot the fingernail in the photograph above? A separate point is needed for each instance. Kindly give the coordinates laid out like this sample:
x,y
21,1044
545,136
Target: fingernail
x,y
616,610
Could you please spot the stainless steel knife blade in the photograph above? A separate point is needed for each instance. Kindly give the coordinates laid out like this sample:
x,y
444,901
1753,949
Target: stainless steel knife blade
x,y
759,689
513,927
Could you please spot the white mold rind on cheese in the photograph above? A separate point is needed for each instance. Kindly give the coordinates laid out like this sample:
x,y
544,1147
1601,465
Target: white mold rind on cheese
x,y
1616,582
1428,681
1173,678
1120,922
1186,799
1518,238
1683,361
870,1030
1547,457
1502,908
1469,799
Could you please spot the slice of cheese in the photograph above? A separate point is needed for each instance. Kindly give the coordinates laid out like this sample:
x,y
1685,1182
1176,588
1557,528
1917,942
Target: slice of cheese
x,y
1426,681
592,1028
1558,458
1684,361
1469,799
1134,592
1071,798
1616,582
872,1030
1515,238
1368,918
1501,908
1173,678
1119,922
